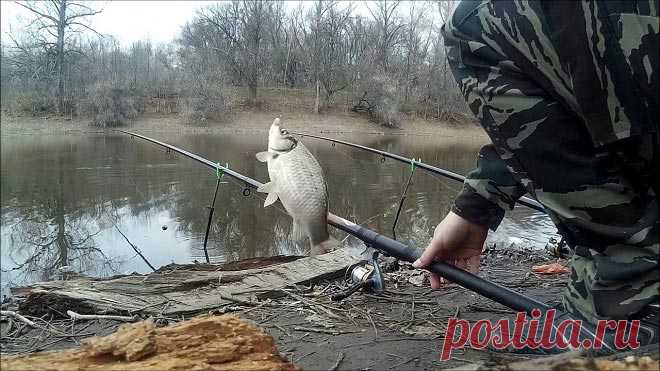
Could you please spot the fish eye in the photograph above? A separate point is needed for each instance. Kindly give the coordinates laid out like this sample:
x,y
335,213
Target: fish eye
x,y
284,132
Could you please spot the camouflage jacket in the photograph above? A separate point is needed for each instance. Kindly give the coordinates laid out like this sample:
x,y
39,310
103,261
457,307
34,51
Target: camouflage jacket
x,y
593,63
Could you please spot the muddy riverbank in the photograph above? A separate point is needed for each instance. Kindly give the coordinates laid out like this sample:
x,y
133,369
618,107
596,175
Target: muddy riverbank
x,y
401,329
248,121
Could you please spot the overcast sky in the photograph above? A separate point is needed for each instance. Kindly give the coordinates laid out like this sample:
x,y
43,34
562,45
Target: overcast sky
x,y
130,21
127,20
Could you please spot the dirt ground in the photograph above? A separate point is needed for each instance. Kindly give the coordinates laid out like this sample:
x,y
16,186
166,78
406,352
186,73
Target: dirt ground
x,y
401,329
245,121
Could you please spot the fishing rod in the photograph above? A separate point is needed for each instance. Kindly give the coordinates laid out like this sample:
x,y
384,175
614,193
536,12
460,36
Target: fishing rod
x,y
387,245
526,201
472,282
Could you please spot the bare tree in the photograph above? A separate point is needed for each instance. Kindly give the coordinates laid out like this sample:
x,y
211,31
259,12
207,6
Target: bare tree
x,y
416,44
242,27
388,28
325,45
334,50
393,59
59,18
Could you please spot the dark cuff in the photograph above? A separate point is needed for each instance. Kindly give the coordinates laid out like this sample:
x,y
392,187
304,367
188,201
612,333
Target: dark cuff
x,y
474,208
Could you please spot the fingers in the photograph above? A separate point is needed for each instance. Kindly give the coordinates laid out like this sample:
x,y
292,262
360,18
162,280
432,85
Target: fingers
x,y
436,281
470,264
428,255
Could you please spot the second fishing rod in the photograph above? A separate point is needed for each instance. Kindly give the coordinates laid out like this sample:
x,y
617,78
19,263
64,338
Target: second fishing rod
x,y
391,247
396,249
526,201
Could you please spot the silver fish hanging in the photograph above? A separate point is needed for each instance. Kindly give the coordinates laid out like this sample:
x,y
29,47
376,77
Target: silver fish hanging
x,y
296,179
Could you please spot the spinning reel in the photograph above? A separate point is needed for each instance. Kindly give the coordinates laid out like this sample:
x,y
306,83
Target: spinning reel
x,y
365,275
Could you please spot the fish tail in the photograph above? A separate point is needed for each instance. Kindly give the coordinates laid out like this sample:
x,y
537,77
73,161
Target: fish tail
x,y
299,232
325,247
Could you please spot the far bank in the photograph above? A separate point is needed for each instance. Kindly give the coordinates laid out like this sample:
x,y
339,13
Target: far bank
x,y
250,121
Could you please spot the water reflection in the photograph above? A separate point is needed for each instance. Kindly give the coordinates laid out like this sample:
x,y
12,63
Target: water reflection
x,y
61,196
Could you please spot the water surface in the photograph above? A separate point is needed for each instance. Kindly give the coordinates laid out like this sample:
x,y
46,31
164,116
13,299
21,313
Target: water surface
x,y
67,199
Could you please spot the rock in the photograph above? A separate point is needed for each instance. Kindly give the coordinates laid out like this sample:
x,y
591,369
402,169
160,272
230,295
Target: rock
x,y
202,343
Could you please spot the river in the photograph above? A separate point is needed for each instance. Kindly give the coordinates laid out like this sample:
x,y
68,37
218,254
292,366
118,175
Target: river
x,y
66,200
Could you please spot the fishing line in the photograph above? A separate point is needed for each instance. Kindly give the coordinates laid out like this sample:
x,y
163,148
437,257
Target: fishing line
x,y
253,194
404,194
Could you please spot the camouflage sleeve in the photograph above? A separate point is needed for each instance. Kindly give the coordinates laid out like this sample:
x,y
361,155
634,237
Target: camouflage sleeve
x,y
487,191
497,92
568,93
523,66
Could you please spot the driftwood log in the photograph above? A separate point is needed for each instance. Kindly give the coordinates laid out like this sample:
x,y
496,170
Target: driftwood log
x,y
202,343
178,291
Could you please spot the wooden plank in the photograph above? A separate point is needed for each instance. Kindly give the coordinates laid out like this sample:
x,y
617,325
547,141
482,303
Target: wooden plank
x,y
177,292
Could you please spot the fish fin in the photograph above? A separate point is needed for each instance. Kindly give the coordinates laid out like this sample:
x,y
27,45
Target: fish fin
x,y
270,199
265,156
325,247
299,232
266,188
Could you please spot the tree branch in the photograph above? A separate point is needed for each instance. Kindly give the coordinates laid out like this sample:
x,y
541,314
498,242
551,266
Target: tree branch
x,y
38,12
87,27
81,15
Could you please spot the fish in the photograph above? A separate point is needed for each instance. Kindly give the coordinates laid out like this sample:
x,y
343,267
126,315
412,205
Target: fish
x,y
296,179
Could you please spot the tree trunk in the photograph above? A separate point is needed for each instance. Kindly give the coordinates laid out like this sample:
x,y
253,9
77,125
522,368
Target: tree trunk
x,y
60,57
317,100
252,90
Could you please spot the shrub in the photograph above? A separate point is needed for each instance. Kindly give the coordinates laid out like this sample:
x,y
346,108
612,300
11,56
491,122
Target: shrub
x,y
379,100
110,105
204,103
34,103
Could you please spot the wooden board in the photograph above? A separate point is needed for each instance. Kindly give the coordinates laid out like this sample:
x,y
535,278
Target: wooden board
x,y
179,291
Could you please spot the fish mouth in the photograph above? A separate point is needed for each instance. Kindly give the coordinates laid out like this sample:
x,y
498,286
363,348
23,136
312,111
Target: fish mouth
x,y
294,144
275,124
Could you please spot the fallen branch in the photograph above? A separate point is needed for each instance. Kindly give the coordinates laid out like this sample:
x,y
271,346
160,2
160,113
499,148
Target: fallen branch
x,y
397,300
322,331
323,307
239,301
28,322
284,331
75,315
403,362
317,330
303,356
12,314
340,357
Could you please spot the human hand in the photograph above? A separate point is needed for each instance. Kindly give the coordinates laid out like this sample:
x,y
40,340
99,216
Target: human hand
x,y
455,241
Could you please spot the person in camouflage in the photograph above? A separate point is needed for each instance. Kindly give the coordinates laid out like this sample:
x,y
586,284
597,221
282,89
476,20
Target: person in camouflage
x,y
568,93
